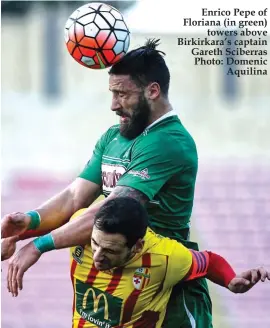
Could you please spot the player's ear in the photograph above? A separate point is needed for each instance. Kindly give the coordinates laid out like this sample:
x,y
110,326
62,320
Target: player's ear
x,y
152,91
138,246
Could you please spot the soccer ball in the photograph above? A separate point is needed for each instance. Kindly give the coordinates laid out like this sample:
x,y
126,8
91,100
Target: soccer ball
x,y
96,35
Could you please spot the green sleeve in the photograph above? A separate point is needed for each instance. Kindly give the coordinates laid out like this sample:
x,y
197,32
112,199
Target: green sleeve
x,y
92,170
153,163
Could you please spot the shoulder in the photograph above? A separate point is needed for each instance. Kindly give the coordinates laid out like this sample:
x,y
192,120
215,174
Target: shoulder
x,y
159,244
175,145
166,246
178,257
155,139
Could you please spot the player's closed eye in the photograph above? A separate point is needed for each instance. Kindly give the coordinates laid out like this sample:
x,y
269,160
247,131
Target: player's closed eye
x,y
110,251
94,242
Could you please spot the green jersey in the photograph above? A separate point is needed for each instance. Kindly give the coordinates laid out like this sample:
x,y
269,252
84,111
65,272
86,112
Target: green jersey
x,y
161,163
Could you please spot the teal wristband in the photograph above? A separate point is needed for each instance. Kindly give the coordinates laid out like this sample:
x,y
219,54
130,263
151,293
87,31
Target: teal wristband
x,y
35,220
44,243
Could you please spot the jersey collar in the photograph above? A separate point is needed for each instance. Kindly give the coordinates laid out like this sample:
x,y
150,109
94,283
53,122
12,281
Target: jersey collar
x,y
169,114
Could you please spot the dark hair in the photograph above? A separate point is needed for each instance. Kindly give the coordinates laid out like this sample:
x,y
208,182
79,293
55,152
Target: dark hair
x,y
123,215
145,65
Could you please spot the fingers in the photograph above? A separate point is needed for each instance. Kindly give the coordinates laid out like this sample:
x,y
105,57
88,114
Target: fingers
x,y
20,263
263,273
14,224
9,275
255,276
239,285
246,274
14,279
4,228
248,279
8,247
241,282
259,274
245,282
14,239
14,285
20,279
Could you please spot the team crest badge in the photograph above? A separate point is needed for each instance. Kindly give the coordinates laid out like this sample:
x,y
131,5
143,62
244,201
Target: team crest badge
x,y
141,278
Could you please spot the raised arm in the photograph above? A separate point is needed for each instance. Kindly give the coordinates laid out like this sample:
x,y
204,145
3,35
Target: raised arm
x,y
75,232
54,212
57,211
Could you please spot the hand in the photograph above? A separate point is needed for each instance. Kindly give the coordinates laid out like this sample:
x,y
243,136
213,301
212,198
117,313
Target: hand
x,y
8,247
248,279
14,224
19,264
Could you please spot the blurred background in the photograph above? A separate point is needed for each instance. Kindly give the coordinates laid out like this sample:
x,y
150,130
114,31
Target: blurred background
x,y
54,110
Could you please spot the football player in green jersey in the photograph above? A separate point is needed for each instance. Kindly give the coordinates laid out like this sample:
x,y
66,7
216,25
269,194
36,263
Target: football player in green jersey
x,y
149,156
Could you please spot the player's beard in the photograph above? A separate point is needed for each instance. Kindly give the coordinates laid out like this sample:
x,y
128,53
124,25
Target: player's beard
x,y
138,120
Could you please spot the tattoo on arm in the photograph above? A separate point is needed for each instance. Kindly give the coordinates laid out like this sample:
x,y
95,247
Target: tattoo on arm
x,y
123,191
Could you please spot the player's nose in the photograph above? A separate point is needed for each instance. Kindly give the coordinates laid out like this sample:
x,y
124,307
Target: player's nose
x,y
115,106
98,255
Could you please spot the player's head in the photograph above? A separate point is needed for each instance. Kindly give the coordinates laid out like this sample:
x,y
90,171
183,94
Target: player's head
x,y
137,81
118,232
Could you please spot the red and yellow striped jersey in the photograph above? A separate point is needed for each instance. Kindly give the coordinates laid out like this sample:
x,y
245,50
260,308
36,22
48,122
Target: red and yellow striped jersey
x,y
133,296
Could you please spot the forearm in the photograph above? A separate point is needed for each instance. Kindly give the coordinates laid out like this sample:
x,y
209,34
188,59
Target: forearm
x,y
219,270
54,213
212,266
76,232
57,211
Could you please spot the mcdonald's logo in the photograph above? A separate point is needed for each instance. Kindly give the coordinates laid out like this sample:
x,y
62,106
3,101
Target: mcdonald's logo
x,y
96,300
97,306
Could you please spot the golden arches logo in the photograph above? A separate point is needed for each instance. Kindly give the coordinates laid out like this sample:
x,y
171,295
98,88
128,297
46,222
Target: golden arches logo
x,y
96,300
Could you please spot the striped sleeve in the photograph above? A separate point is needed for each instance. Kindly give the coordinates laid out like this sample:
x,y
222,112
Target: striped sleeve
x,y
199,267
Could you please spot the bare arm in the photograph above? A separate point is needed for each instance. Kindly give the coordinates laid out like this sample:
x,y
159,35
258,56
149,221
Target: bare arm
x,y
58,210
55,212
124,191
78,232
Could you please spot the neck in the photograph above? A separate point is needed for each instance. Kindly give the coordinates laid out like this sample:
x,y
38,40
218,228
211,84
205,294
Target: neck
x,y
159,109
132,256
